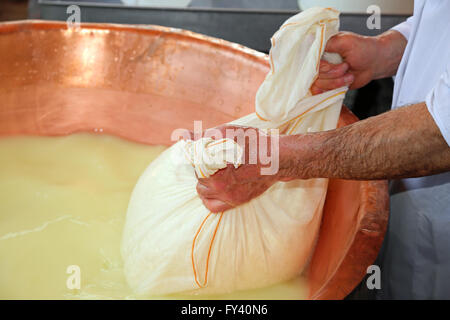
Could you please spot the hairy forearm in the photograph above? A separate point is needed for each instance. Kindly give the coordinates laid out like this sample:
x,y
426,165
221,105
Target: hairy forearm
x,y
390,47
397,144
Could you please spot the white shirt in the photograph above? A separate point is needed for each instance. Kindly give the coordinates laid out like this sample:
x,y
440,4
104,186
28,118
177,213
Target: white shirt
x,y
415,258
424,72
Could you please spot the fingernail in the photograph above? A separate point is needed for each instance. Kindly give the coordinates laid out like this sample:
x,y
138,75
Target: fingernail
x,y
315,91
345,66
324,67
348,78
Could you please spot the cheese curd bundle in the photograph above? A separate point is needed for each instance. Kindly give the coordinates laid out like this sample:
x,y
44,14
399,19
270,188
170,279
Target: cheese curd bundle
x,y
172,243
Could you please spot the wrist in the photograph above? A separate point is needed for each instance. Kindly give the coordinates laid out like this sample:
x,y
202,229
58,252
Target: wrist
x,y
285,158
389,48
300,156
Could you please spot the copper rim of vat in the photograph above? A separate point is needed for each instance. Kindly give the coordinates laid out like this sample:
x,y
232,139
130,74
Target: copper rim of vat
x,y
141,83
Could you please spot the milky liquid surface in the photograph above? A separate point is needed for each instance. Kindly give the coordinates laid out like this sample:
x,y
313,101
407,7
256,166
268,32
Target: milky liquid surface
x,y
63,203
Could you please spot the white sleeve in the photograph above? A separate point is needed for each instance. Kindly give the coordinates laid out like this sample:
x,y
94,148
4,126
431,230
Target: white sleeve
x,y
438,103
405,27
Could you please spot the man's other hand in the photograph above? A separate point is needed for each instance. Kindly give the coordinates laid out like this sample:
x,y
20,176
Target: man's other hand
x,y
365,59
230,187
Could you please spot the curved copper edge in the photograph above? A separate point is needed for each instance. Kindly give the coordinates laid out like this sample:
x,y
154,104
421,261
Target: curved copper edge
x,y
334,273
22,25
361,250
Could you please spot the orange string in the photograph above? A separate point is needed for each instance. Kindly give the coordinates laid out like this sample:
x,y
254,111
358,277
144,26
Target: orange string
x,y
309,109
322,38
295,126
261,118
272,41
215,143
209,250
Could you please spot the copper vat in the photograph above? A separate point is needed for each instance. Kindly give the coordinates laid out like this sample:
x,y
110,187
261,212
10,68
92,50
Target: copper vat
x,y
142,82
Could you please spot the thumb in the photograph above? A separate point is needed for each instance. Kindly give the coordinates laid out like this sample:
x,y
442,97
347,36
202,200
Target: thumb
x,y
216,206
336,44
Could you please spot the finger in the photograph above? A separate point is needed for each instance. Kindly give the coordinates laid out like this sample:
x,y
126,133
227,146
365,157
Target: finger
x,y
316,90
331,71
330,84
336,44
324,66
215,205
204,191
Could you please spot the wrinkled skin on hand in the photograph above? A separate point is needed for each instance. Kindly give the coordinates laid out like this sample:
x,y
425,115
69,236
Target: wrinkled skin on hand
x,y
231,187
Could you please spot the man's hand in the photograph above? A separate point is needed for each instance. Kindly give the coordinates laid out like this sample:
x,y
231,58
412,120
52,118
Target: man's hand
x,y
401,143
231,187
365,59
